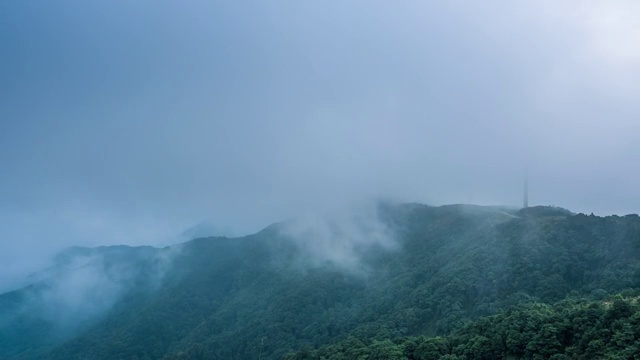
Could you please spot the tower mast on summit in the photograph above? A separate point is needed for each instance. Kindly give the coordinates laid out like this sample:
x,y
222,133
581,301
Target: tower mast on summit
x,y
525,203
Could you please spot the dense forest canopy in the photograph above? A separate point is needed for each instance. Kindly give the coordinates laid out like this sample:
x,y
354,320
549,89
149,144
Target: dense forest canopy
x,y
451,282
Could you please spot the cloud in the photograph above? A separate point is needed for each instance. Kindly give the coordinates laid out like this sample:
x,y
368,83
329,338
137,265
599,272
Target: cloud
x,y
612,30
125,123
340,238
85,283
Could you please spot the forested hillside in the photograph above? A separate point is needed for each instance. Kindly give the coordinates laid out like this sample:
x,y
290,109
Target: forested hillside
x,y
456,281
571,329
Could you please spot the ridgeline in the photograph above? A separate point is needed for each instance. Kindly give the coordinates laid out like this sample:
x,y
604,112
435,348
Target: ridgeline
x,y
459,282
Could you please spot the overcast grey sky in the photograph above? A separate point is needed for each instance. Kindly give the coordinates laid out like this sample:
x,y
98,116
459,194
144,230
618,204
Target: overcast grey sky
x,y
128,121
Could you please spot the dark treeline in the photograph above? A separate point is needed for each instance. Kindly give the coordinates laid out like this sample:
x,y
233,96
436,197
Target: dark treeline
x,y
571,329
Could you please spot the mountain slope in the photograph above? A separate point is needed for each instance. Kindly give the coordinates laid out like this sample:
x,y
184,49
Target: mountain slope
x,y
74,294
571,329
268,294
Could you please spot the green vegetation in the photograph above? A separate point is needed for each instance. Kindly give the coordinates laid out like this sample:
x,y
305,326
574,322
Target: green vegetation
x,y
462,282
571,329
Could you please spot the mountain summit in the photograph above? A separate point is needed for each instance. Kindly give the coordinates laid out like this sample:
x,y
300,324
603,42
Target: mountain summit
x,y
396,272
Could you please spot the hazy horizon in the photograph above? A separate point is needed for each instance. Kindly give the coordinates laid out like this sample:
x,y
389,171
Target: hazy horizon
x,y
130,123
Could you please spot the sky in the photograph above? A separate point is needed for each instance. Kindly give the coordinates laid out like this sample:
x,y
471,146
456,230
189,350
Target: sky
x,y
128,122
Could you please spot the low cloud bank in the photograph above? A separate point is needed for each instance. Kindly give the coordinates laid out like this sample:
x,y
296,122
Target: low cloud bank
x,y
340,237
86,283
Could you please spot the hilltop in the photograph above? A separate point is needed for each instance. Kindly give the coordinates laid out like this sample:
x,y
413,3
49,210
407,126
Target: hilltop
x,y
407,271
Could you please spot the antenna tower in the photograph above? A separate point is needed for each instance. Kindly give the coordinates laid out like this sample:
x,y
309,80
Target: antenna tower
x,y
525,203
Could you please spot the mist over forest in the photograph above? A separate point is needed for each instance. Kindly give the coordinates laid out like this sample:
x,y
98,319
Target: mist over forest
x,y
329,180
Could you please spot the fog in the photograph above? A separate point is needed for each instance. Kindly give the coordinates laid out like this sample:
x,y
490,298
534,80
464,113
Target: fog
x,y
83,285
131,122
339,237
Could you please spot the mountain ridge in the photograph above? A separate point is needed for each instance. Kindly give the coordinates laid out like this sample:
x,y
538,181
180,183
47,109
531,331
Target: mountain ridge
x,y
448,265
